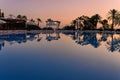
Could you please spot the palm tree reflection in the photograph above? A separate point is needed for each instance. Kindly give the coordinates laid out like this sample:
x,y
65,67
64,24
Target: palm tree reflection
x,y
88,38
17,38
110,40
114,43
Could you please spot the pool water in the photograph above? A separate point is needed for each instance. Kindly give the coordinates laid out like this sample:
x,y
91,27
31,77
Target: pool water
x,y
60,56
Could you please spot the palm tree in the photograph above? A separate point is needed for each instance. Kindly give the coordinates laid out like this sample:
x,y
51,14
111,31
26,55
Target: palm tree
x,y
39,21
58,22
2,14
77,23
94,20
24,18
85,22
74,23
104,24
81,22
19,16
113,15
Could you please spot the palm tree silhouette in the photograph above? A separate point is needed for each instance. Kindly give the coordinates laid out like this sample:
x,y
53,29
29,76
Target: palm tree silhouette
x,y
19,16
58,22
95,19
39,21
105,24
85,22
2,14
77,23
81,25
24,18
74,22
114,16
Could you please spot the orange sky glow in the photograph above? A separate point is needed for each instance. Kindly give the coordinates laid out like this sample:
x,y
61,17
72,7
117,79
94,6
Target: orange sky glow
x,y
62,10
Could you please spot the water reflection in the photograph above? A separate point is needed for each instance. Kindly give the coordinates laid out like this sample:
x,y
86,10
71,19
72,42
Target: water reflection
x,y
50,37
110,40
16,38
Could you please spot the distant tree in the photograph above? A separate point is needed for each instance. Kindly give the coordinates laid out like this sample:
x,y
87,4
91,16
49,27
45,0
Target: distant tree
x,y
24,18
67,27
86,24
39,21
49,19
2,14
77,23
114,16
105,24
19,16
74,22
81,22
94,20
58,22
32,20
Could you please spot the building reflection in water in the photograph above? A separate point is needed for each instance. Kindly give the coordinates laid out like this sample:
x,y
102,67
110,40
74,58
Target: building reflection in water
x,y
17,38
51,37
111,40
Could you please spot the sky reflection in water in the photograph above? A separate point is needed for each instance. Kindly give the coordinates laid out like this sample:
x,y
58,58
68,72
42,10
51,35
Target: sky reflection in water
x,y
60,56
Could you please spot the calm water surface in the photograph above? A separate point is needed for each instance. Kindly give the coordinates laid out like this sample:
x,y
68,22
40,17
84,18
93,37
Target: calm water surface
x,y
60,56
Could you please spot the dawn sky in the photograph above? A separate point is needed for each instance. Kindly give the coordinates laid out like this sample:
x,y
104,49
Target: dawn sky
x,y
63,10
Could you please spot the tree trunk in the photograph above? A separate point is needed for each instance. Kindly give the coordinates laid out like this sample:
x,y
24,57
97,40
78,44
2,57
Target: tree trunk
x,y
112,27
